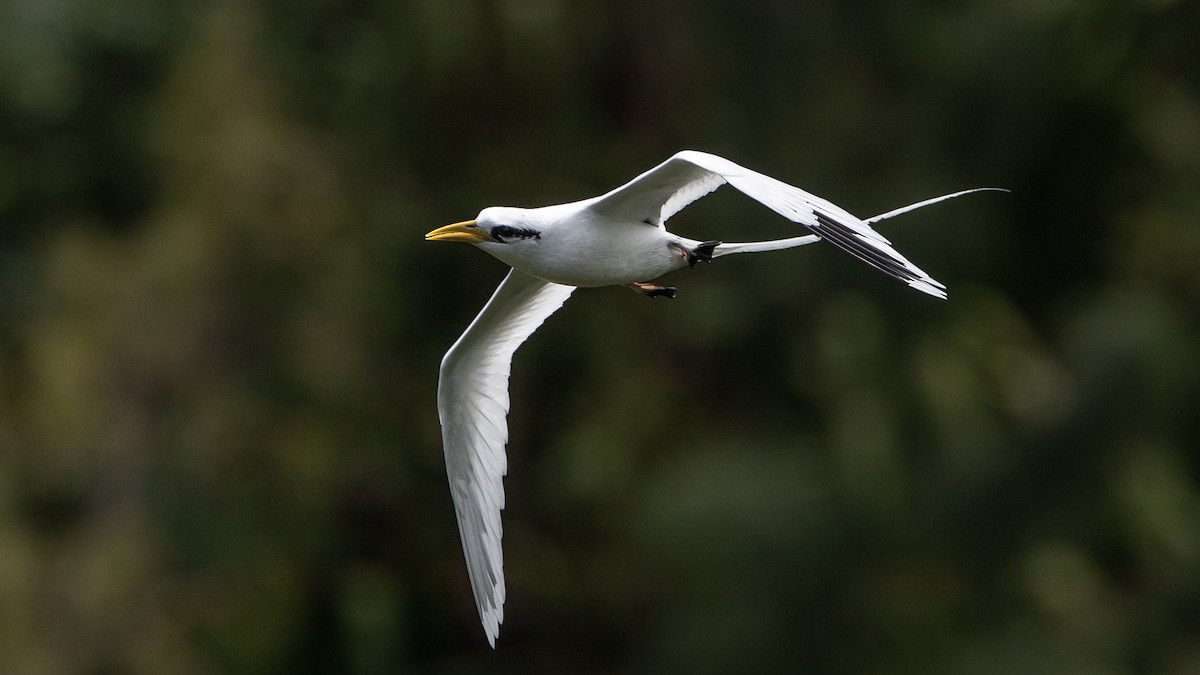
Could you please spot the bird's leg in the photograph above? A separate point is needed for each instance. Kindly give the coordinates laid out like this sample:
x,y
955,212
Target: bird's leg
x,y
702,252
652,290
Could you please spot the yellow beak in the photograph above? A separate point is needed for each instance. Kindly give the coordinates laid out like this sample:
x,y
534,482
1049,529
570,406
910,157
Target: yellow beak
x,y
466,231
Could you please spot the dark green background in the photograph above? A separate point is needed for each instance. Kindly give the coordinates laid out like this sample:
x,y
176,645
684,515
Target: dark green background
x,y
220,331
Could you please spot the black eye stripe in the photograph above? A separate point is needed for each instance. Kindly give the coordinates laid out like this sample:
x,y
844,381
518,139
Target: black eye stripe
x,y
502,232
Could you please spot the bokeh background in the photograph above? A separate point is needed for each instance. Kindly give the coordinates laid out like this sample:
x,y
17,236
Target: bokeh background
x,y
220,331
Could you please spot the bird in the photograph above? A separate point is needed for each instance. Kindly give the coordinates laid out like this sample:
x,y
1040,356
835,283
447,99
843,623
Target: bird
x,y
617,238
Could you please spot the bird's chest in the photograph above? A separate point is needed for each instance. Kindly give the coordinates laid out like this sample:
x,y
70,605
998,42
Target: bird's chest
x,y
593,256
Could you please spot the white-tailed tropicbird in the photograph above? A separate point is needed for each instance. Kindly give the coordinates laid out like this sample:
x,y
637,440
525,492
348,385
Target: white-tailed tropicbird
x,y
616,238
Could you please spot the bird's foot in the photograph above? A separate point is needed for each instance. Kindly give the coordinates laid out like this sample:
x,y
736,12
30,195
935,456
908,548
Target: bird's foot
x,y
702,253
652,290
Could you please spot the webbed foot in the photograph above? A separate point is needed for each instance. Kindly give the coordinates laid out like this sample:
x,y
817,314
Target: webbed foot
x,y
652,290
702,253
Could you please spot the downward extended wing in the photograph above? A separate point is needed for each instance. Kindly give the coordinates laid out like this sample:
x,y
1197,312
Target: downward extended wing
x,y
472,406
662,191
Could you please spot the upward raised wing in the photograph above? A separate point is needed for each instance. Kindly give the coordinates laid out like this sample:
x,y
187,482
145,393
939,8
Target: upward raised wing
x,y
664,190
661,192
473,406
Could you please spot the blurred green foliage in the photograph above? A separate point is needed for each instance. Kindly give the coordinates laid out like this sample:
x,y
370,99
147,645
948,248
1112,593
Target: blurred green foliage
x,y
220,330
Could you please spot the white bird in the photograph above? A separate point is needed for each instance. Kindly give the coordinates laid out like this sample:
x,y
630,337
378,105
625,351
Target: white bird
x,y
616,238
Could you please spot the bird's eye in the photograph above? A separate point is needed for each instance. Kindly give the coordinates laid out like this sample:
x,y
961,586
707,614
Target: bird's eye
x,y
503,233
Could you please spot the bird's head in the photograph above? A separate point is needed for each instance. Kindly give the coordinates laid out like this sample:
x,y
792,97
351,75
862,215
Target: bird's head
x,y
495,224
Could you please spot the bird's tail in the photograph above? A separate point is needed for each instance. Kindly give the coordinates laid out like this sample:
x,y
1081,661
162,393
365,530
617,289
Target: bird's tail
x,y
927,202
728,248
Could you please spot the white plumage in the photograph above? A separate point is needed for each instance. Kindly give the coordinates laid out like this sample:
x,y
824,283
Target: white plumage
x,y
616,238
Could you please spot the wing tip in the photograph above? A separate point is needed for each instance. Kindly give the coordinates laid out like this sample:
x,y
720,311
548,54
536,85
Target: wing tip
x,y
929,286
491,620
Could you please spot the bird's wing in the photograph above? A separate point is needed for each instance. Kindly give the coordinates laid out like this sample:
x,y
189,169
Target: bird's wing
x,y
659,193
689,175
472,406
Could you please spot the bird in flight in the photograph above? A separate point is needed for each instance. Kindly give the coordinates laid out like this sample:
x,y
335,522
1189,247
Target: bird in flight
x,y
618,238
